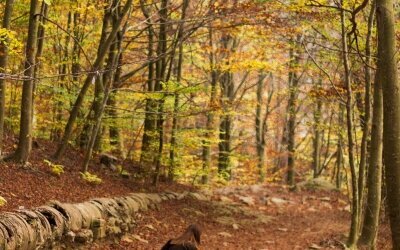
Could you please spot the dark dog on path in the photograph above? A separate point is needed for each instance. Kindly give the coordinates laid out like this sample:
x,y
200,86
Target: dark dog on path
x,y
189,240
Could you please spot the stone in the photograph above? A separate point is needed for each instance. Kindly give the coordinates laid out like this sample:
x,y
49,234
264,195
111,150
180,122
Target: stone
x,y
256,188
318,183
198,196
113,230
278,201
99,233
84,236
248,200
225,199
315,246
225,234
312,209
127,239
70,236
326,199
137,237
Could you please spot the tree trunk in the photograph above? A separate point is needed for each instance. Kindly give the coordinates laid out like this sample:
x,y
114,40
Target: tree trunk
x,y
317,133
259,128
25,132
149,128
3,67
227,92
175,120
102,52
98,86
374,180
105,85
339,149
353,235
62,70
206,154
367,113
161,69
387,66
292,107
114,131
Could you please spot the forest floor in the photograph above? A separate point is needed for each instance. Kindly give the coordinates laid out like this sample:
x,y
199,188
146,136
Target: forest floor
x,y
252,217
247,217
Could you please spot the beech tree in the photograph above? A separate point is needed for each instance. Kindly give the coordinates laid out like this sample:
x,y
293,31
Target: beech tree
x,y
25,129
387,68
3,67
212,91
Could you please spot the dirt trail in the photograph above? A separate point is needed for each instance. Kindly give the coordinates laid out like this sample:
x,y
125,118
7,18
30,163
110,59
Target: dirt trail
x,y
255,217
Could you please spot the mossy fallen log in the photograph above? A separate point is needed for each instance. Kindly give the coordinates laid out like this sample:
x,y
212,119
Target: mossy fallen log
x,y
63,224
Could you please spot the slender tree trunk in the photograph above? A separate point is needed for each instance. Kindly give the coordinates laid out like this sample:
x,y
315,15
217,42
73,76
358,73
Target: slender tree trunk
x,y
173,142
206,154
3,68
114,131
353,235
374,180
317,134
62,69
149,128
98,86
225,126
44,10
339,148
25,132
76,52
102,52
40,45
174,132
227,92
107,80
259,128
161,70
367,113
292,107
224,146
387,66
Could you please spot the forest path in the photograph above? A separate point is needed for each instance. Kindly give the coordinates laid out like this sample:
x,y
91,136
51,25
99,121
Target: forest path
x,y
252,217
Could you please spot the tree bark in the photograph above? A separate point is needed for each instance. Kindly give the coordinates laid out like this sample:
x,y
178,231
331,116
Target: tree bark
x,y
172,152
355,211
105,85
102,52
367,112
116,139
317,133
374,180
292,108
387,66
225,125
149,133
259,128
339,148
3,68
161,70
206,154
89,124
25,131
62,70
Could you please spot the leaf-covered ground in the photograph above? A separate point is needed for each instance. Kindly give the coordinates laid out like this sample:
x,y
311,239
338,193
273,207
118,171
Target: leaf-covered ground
x,y
251,217
278,219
